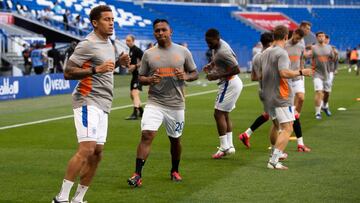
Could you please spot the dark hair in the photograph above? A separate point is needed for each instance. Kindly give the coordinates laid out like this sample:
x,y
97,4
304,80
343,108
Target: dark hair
x,y
266,38
327,36
158,20
320,32
300,32
213,33
95,13
280,32
303,23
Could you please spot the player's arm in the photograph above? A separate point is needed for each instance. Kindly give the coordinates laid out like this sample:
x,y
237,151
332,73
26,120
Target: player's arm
x,y
150,80
287,73
233,71
75,72
189,76
208,67
190,72
254,76
302,60
254,71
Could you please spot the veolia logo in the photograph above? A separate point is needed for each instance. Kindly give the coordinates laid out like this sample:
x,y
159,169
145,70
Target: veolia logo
x,y
9,89
55,84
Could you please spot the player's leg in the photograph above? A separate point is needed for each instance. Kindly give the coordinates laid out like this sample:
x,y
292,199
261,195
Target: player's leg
x,y
87,173
175,150
134,95
221,124
86,120
229,134
136,101
299,90
150,123
228,94
319,87
174,121
274,132
327,90
76,163
245,136
284,117
89,169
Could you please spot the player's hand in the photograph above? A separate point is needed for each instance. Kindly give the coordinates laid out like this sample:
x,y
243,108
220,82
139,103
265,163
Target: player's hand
x,y
207,68
155,78
124,59
212,76
307,72
180,74
107,66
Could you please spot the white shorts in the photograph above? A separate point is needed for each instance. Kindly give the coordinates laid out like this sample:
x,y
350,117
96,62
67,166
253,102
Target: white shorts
x,y
228,93
91,124
331,78
298,86
322,85
283,114
154,116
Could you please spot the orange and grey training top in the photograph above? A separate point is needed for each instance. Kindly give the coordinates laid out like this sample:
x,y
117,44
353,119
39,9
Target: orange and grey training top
x,y
169,93
95,90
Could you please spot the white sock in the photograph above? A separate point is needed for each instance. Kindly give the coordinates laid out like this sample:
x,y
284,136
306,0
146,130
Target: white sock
x,y
229,136
300,141
275,157
326,105
248,132
317,109
224,142
65,190
80,193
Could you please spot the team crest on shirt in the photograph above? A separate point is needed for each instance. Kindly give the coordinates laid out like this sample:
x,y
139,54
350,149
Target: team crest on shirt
x,y
93,131
176,58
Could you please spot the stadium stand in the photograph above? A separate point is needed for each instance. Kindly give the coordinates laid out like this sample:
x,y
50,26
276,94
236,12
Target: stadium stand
x,y
189,28
339,28
190,20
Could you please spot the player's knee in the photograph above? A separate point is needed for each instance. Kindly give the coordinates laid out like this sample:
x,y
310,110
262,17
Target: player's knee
x,y
288,127
147,136
86,152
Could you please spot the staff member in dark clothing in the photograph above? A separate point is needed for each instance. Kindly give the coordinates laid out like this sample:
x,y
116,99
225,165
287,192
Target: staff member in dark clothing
x,y
135,54
57,63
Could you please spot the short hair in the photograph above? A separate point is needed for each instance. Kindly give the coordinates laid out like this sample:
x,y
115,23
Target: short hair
x,y
280,32
213,33
132,37
95,13
319,33
300,32
304,22
160,20
266,38
327,36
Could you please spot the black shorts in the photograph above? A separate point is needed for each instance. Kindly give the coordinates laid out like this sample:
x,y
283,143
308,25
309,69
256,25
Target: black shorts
x,y
135,84
353,62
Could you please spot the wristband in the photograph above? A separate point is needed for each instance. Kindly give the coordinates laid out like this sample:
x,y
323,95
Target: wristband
x,y
93,70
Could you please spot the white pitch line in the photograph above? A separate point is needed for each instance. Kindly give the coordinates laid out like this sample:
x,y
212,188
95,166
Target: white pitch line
x,y
114,108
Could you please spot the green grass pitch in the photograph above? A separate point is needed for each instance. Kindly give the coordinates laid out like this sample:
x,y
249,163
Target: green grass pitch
x,y
33,158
